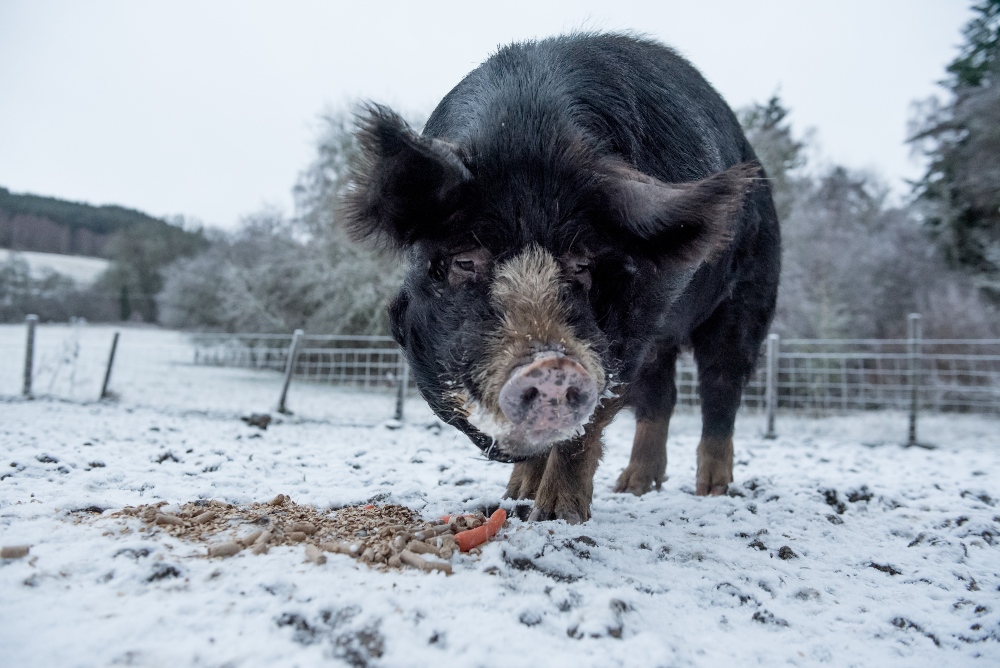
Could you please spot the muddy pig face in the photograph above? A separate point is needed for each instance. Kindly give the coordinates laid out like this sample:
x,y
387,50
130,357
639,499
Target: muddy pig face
x,y
514,315
505,347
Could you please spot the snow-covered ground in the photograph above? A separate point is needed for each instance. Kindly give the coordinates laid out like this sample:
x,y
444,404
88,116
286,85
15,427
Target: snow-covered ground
x,y
836,546
83,270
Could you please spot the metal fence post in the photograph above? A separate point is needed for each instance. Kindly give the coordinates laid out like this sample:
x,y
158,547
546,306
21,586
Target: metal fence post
x,y
771,388
913,334
404,380
293,352
29,353
111,361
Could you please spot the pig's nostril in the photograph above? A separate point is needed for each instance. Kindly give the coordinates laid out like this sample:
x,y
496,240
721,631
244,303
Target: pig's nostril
x,y
573,397
529,396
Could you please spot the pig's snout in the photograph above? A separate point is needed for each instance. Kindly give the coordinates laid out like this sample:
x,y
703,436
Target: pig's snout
x,y
548,397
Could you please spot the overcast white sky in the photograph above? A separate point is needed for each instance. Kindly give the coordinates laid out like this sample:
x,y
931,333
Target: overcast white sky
x,y
209,109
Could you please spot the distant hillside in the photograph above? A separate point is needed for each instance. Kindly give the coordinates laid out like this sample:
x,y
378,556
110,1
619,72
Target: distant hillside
x,y
50,225
137,246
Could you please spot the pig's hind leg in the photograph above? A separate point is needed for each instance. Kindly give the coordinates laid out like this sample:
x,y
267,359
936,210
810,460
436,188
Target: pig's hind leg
x,y
726,348
653,395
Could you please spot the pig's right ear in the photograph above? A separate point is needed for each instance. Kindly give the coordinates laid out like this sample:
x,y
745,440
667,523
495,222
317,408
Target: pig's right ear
x,y
401,185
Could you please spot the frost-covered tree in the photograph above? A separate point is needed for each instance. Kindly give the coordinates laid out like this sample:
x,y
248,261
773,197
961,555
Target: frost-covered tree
x,y
961,137
277,274
782,155
854,267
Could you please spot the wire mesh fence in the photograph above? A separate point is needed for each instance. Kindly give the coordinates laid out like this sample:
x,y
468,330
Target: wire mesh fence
x,y
249,372
823,377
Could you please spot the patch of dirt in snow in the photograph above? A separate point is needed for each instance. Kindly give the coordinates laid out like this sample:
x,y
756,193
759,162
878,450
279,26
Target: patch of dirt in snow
x,y
376,535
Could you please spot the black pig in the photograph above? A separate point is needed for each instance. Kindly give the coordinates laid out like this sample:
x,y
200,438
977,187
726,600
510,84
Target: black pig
x,y
575,210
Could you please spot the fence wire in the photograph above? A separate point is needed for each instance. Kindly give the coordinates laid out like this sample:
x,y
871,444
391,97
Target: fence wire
x,y
241,372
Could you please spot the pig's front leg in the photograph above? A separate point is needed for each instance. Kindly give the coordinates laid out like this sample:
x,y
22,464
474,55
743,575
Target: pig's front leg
x,y
525,478
566,488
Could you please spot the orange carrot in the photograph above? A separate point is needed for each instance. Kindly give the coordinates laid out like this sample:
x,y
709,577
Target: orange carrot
x,y
469,539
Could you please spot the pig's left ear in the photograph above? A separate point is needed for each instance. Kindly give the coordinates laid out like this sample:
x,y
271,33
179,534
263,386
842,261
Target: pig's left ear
x,y
401,184
678,223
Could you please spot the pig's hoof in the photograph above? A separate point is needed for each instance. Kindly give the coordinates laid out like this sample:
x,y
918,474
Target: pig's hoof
x,y
573,510
713,479
524,479
637,480
519,490
571,516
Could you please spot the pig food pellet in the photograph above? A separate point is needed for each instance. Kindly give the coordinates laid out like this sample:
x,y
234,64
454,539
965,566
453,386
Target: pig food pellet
x,y
224,549
167,518
315,555
14,551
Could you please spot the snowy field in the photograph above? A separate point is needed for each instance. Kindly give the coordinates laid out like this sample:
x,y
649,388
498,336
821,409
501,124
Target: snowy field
x,y
835,547
83,270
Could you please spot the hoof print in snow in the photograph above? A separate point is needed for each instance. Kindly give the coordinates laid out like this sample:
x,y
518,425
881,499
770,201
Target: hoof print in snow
x,y
786,552
830,496
734,591
597,622
979,496
861,494
355,646
162,572
526,564
135,553
530,618
304,633
905,624
574,545
765,617
259,420
807,594
885,568
93,510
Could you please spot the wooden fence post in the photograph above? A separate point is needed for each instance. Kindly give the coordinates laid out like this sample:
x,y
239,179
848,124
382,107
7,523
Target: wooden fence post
x,y
293,353
915,365
29,353
111,361
771,388
404,380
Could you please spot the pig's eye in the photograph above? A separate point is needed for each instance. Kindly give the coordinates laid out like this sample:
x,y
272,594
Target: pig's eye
x,y
468,266
576,266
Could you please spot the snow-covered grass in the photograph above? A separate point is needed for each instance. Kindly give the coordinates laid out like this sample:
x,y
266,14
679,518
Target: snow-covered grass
x,y
83,270
836,546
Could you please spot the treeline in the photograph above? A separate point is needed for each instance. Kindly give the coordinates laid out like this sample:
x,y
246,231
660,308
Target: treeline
x,y
98,219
